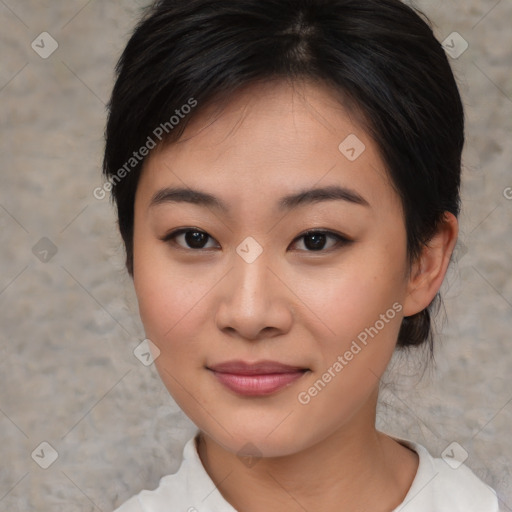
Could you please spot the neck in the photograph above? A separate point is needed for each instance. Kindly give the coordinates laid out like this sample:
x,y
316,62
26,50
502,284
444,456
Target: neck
x,y
355,468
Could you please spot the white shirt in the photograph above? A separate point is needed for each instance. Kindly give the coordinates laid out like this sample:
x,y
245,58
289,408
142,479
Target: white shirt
x,y
436,488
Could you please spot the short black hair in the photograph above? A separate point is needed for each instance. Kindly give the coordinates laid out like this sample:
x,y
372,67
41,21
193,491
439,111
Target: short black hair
x,y
380,56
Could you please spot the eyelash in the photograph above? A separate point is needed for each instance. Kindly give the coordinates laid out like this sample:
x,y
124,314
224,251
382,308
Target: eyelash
x,y
341,240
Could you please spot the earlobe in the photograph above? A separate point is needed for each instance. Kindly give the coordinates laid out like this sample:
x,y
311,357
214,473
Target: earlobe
x,y
428,271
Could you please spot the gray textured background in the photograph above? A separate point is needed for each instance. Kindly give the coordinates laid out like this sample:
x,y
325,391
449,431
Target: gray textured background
x,y
68,375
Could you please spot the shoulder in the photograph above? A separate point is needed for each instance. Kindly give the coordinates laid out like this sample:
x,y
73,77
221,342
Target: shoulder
x,y
189,489
170,490
460,487
446,486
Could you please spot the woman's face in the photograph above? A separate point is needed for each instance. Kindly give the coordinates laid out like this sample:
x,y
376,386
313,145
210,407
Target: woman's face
x,y
246,284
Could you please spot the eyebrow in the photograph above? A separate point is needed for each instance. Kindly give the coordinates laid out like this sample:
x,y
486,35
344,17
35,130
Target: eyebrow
x,y
289,202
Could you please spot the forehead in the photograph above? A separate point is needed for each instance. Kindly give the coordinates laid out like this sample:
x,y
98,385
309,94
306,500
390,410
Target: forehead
x,y
270,139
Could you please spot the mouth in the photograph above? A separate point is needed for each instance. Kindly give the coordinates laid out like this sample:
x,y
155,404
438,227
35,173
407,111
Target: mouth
x,y
256,379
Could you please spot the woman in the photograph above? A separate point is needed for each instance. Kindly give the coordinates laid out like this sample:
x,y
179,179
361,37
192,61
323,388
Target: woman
x,y
287,177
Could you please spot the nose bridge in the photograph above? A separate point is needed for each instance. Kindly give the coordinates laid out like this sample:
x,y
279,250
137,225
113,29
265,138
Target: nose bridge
x,y
251,276
252,301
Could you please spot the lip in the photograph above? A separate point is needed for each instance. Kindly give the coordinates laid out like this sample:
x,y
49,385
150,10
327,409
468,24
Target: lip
x,y
240,367
256,379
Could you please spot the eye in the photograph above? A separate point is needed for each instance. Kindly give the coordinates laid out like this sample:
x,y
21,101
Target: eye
x,y
315,241
194,238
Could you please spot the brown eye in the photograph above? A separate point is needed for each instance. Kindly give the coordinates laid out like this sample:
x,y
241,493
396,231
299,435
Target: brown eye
x,y
189,238
315,241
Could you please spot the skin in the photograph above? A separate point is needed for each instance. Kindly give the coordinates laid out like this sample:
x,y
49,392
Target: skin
x,y
295,305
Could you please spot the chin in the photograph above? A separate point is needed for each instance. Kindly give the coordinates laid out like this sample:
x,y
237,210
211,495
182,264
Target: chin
x,y
254,439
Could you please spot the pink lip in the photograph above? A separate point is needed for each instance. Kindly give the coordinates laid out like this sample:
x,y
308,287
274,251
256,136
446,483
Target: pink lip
x,y
256,379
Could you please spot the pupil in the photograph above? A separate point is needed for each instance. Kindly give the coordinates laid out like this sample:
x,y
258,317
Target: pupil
x,y
318,241
195,239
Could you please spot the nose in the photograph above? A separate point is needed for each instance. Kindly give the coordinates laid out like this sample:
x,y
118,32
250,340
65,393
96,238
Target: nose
x,y
254,303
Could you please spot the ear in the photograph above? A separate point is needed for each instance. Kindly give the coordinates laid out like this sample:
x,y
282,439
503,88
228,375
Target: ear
x,y
428,271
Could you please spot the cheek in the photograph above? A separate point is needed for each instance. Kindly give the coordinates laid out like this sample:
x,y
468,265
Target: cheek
x,y
162,293
353,296
363,309
167,301
173,303
172,312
